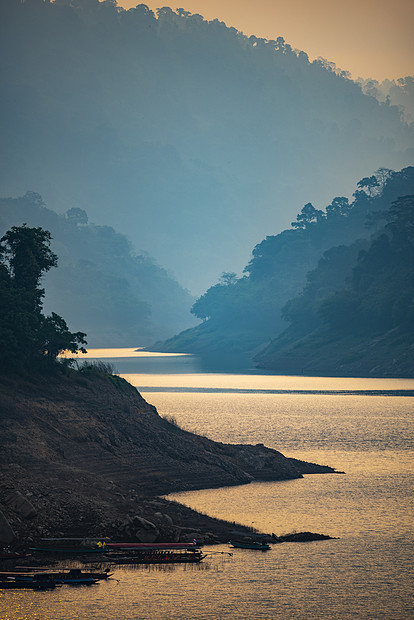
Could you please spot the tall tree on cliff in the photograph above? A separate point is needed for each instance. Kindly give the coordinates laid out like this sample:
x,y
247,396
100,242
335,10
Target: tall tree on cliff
x,y
28,339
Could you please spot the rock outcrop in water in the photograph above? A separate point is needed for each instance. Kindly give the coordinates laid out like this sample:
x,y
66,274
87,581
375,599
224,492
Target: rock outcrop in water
x,y
88,455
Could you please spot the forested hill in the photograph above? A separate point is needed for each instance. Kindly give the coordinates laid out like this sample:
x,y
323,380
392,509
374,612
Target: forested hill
x,y
362,324
118,297
180,132
241,315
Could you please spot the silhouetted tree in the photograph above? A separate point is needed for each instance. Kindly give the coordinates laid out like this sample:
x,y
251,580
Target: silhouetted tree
x,y
27,338
27,252
228,278
339,206
369,184
308,216
56,337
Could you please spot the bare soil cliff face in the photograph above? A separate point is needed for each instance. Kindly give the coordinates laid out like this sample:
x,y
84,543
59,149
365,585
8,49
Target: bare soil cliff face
x,y
88,453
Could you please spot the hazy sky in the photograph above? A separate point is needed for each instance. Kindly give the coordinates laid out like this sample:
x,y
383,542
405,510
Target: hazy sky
x,y
369,38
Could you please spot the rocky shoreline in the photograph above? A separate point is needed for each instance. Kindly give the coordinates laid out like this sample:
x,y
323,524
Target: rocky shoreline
x,y
88,456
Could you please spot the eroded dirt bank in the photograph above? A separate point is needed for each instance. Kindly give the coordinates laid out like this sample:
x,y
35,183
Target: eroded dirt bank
x,y
87,455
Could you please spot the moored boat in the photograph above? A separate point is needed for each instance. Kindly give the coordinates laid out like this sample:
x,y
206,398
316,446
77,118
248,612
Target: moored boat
x,y
162,557
70,576
77,579
40,582
68,550
154,553
28,585
152,546
256,545
71,546
76,573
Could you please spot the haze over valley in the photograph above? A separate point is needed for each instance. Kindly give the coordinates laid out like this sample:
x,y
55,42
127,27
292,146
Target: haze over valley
x,y
117,296
187,136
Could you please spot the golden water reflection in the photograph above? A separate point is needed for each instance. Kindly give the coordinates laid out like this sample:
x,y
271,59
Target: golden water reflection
x,y
367,573
265,382
120,353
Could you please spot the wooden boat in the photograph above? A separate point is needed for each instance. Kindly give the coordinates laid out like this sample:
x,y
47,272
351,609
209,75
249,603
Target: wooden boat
x,y
151,546
75,579
74,576
76,573
159,556
58,575
256,545
40,582
154,553
68,550
28,585
85,540
71,546
122,552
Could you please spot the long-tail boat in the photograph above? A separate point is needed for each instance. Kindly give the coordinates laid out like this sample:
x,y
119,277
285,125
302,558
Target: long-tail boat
x,y
70,576
159,556
125,552
257,545
68,550
154,553
40,582
154,546
71,545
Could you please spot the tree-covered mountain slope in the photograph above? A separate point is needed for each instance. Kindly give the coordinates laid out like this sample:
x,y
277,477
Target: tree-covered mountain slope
x,y
363,325
242,315
180,132
120,298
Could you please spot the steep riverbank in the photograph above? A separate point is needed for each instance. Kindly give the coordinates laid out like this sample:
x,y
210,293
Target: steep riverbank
x,y
325,354
86,454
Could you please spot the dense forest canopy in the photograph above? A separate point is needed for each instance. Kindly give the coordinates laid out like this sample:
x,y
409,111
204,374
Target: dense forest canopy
x,y
118,297
182,133
349,266
380,293
355,316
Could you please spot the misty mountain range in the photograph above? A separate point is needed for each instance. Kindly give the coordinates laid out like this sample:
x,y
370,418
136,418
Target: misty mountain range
x,y
190,138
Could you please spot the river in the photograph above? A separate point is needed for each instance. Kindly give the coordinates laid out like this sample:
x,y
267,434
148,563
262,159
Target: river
x,y
360,426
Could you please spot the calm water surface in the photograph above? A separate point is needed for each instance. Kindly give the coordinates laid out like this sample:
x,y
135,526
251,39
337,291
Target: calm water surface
x,y
361,426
